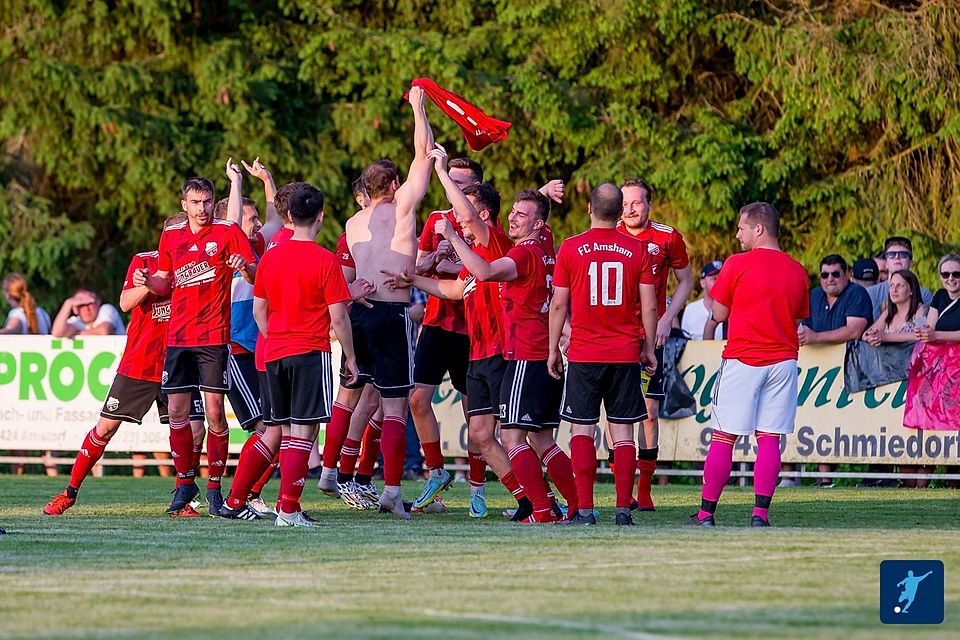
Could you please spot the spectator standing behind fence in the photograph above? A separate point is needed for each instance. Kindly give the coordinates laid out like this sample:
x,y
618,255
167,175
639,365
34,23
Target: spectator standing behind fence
x,y
699,312
25,317
898,252
84,315
865,272
839,311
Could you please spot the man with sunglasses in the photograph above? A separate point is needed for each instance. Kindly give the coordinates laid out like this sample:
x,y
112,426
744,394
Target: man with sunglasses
x,y
839,311
898,252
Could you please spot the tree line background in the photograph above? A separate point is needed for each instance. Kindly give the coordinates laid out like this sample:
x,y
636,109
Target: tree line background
x,y
844,114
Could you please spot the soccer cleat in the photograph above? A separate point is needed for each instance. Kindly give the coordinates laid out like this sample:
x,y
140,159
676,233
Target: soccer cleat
x,y
214,502
351,496
436,506
393,504
625,520
297,519
578,519
187,512
369,493
58,504
757,521
240,513
328,485
407,506
559,510
523,510
435,484
635,506
544,518
261,507
706,522
478,505
182,496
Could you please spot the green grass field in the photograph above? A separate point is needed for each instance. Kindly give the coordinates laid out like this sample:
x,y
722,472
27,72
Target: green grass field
x,y
115,567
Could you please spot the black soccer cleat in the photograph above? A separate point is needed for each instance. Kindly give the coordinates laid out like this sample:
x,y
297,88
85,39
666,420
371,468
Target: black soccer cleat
x,y
706,522
215,502
578,519
624,520
182,496
757,521
524,510
240,513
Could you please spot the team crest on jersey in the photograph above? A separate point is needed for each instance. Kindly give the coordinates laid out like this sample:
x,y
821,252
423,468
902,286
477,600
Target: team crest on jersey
x,y
112,404
211,248
653,248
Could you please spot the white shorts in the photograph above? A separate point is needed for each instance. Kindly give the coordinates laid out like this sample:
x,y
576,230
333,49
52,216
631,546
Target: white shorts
x,y
748,399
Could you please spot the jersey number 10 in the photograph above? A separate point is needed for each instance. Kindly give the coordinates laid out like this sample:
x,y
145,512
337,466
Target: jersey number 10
x,y
606,287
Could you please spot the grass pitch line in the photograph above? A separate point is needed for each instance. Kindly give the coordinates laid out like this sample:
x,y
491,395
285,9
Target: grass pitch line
x,y
608,630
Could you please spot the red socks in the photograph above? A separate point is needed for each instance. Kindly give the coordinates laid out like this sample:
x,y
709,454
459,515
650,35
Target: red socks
x,y
766,471
253,461
716,471
370,448
583,456
560,471
393,443
294,458
335,434
625,465
90,452
647,466
478,469
217,444
265,477
181,448
348,457
526,467
432,455
509,481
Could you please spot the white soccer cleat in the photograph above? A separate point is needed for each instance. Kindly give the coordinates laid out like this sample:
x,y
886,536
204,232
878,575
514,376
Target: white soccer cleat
x,y
294,520
393,504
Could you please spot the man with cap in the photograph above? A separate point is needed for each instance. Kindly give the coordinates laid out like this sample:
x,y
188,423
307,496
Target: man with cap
x,y
698,312
865,272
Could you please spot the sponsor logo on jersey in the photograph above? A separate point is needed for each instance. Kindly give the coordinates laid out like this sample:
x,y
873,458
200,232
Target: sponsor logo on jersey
x,y
469,286
112,404
211,248
161,311
195,273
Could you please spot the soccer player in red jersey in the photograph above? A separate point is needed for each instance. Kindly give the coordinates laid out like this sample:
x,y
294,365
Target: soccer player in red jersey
x,y
764,294
137,383
477,208
196,261
600,279
667,251
443,345
299,294
383,236
529,396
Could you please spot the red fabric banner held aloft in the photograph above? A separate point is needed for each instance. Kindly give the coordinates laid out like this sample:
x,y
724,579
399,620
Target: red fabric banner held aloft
x,y
933,389
478,128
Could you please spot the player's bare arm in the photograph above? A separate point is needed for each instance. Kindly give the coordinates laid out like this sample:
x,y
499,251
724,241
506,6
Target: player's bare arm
x,y
559,312
467,214
648,316
721,312
553,190
272,223
340,322
446,289
159,283
260,309
235,199
411,192
677,302
238,263
130,298
500,270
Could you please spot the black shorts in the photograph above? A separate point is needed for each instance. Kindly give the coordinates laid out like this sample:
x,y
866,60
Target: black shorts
x,y
382,345
301,388
484,379
244,391
362,379
440,351
617,384
129,399
204,368
655,388
529,396
266,408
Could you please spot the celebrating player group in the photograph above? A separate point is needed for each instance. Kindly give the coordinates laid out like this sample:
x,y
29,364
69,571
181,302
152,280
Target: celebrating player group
x,y
527,334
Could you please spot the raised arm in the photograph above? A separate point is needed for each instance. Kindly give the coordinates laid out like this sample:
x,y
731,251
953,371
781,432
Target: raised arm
x,y
272,222
466,213
410,194
500,270
235,201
